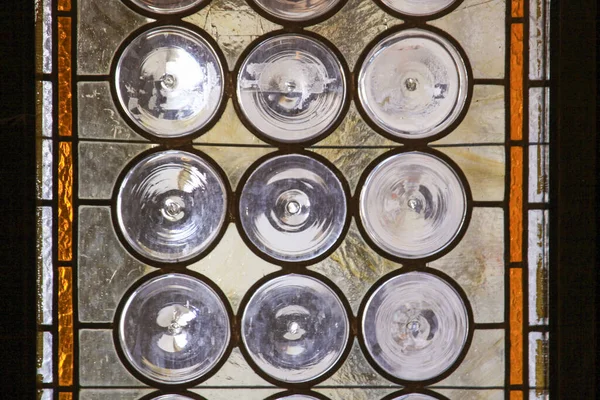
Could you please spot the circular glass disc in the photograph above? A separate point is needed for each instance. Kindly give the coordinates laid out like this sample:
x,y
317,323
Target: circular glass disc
x,y
293,208
297,397
418,8
172,397
294,10
169,81
171,206
413,84
415,326
174,329
166,6
295,328
414,396
291,88
412,205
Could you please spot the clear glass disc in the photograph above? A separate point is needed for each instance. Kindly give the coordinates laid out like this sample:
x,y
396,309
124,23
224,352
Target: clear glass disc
x,y
293,208
294,10
171,206
172,397
174,329
412,205
291,88
413,84
295,328
167,6
297,397
415,326
419,8
169,81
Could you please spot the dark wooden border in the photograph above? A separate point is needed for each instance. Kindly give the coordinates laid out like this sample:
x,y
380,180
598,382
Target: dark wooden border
x,y
17,202
574,178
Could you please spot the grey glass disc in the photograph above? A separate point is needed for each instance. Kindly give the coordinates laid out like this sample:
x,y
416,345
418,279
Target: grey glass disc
x,y
171,206
295,328
414,396
172,397
413,205
293,208
298,397
419,7
413,84
167,6
291,88
294,10
174,329
415,326
169,81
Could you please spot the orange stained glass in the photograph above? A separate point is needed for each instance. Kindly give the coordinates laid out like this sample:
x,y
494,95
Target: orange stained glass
x,y
65,326
65,201
65,112
516,395
517,8
515,204
64,5
516,81
516,326
65,396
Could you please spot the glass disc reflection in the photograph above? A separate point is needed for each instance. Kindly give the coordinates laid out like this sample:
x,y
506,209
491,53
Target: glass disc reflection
x,y
413,84
418,7
294,10
412,205
167,6
174,329
169,81
293,208
171,206
295,328
415,326
414,396
291,88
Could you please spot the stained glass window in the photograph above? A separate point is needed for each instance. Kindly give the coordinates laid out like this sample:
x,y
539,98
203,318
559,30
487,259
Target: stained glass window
x,y
301,200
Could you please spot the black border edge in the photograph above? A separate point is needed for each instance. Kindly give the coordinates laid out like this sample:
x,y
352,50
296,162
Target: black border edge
x,y
574,174
17,209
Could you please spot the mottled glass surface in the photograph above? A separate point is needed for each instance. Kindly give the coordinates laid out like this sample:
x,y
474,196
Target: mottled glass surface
x,y
538,266
44,357
539,39
44,182
45,272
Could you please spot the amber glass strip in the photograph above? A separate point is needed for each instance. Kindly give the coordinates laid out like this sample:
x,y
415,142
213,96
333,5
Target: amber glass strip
x,y
65,326
65,112
65,396
516,82
516,395
64,5
516,204
516,326
541,366
517,8
65,201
